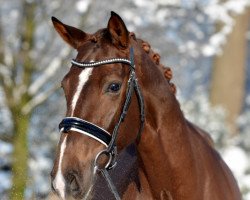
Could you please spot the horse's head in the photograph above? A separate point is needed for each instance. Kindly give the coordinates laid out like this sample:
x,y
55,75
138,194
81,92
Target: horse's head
x,y
97,91
104,98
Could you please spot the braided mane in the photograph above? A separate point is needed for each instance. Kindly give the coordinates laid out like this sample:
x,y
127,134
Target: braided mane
x,y
155,57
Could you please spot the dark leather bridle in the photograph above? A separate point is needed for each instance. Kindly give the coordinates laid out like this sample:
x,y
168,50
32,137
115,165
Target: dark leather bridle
x,y
98,133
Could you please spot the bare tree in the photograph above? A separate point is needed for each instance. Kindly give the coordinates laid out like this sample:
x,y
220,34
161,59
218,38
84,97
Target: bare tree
x,y
229,71
26,73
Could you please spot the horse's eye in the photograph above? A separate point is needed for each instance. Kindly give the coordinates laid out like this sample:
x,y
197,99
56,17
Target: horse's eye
x,y
114,87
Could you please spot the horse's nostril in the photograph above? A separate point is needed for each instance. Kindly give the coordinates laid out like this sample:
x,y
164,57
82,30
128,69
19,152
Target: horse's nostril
x,y
52,187
74,185
52,182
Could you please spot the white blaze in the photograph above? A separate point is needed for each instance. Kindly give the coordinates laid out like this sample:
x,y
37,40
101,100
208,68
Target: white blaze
x,y
59,182
83,78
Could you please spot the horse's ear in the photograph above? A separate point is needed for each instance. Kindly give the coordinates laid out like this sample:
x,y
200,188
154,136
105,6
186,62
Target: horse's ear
x,y
73,36
118,30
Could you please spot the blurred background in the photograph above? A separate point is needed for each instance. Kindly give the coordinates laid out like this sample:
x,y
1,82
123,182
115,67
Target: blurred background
x,y
205,42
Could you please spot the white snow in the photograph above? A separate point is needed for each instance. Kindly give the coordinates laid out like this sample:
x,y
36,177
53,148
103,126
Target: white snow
x,y
236,159
5,181
237,6
216,41
208,50
40,163
5,149
222,12
129,15
82,6
49,71
169,2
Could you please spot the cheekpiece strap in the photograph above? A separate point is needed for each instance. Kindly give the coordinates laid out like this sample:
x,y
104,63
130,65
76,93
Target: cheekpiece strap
x,y
131,55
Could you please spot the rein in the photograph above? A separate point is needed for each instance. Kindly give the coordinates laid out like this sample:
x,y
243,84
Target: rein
x,y
98,133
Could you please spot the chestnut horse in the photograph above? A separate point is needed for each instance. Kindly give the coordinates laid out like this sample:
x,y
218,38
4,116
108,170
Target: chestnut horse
x,y
118,100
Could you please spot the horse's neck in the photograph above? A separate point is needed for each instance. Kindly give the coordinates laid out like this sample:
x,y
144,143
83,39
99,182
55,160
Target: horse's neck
x,y
164,143
171,150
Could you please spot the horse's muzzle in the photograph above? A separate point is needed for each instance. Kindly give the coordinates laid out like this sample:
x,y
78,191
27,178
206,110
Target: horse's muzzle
x,y
72,186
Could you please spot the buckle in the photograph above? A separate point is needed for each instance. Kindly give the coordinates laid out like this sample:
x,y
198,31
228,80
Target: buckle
x,y
110,162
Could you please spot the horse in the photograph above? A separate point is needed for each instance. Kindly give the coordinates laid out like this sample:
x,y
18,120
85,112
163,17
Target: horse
x,y
123,119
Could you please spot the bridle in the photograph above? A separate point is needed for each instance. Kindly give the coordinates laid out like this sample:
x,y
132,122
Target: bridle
x,y
98,133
